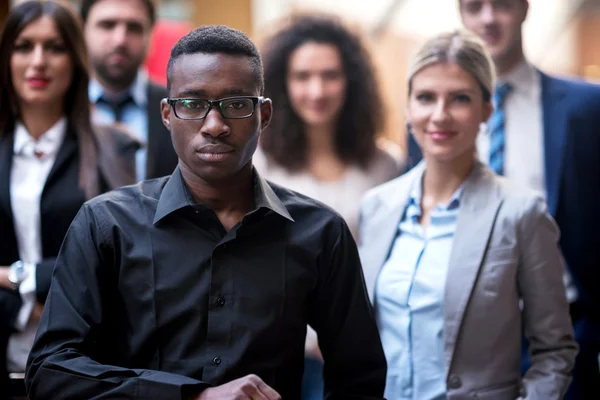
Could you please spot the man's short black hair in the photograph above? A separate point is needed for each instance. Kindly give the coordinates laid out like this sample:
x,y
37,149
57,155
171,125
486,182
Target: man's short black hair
x,y
212,39
86,6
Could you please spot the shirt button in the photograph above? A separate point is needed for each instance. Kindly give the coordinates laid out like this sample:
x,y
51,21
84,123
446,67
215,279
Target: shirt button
x,y
454,382
217,360
225,246
221,301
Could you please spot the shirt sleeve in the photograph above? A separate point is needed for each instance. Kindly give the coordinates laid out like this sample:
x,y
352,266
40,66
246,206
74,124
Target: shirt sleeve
x,y
43,278
341,314
27,290
66,359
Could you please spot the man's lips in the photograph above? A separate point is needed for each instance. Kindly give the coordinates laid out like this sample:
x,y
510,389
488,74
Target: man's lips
x,y
214,152
215,149
491,37
118,58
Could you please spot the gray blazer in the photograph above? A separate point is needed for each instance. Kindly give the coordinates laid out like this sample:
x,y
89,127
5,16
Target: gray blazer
x,y
505,250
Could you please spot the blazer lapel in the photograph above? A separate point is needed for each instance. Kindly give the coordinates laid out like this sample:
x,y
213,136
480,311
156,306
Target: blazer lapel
x,y
555,125
383,225
6,154
480,202
67,150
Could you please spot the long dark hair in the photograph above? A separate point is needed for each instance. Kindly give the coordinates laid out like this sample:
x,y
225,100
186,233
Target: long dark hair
x,y
76,102
361,118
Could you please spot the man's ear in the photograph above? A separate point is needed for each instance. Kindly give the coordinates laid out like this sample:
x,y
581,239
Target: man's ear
x,y
266,112
525,10
165,113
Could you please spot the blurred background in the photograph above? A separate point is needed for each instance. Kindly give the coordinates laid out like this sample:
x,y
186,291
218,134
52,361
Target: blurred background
x,y
561,36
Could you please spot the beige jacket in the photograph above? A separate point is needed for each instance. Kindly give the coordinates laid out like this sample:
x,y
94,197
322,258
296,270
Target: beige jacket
x,y
505,250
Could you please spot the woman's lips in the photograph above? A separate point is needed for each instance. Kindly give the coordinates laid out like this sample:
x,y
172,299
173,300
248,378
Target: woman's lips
x,y
38,83
442,135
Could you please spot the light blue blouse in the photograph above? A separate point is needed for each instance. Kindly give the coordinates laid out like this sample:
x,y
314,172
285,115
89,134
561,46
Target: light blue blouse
x,y
409,298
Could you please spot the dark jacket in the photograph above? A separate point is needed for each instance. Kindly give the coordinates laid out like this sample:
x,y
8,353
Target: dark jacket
x,y
61,199
162,159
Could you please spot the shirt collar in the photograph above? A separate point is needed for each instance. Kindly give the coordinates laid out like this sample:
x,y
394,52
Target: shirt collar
x,y
137,90
176,196
48,143
524,78
416,194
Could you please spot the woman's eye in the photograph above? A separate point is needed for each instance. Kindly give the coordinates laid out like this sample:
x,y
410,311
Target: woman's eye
x,y
463,98
425,97
23,47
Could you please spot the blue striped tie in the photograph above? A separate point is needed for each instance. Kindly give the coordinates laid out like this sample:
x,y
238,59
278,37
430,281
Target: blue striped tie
x,y
496,129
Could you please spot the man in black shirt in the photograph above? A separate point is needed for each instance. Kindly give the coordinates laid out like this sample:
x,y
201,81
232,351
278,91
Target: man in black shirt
x,y
200,285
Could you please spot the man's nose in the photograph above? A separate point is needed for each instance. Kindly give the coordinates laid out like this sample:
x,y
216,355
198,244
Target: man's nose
x,y
214,124
119,34
488,14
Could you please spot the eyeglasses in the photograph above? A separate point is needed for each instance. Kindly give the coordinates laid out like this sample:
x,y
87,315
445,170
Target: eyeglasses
x,y
231,107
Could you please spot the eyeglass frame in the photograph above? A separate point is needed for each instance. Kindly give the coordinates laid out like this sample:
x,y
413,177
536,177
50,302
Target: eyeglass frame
x,y
256,100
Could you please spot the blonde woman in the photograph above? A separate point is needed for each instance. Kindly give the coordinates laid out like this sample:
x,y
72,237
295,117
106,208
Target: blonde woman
x,y
457,259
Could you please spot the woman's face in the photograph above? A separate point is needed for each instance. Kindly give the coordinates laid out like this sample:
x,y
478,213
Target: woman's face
x,y
445,109
40,64
316,83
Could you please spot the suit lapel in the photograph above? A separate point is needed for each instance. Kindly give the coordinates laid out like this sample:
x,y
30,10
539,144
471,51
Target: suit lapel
x,y
480,202
555,121
383,226
6,154
67,150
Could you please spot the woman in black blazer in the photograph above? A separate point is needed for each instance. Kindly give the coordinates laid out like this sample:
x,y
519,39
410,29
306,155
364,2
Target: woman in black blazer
x,y
51,159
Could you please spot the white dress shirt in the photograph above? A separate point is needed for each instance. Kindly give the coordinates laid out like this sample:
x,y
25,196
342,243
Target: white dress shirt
x,y
524,129
524,137
28,177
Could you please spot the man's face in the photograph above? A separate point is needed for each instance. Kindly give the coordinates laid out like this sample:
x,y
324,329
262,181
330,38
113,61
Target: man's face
x,y
497,22
215,149
117,33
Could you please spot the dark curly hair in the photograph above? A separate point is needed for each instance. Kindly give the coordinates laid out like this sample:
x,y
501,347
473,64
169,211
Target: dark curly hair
x,y
361,118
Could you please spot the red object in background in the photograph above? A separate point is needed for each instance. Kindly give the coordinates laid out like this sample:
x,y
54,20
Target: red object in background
x,y
164,36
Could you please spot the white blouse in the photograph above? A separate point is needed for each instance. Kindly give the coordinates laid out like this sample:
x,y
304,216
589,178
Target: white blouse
x,y
31,165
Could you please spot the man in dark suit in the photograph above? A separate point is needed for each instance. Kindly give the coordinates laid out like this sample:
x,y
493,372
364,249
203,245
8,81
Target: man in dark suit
x,y
545,133
117,35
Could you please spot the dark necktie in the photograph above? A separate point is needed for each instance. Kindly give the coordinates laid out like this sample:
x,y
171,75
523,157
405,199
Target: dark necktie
x,y
496,127
118,106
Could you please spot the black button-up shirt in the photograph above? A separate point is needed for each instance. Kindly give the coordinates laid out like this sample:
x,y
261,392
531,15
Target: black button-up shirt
x,y
152,298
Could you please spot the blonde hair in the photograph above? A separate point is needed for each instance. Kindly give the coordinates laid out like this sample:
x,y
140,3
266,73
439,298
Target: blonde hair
x,y
461,48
